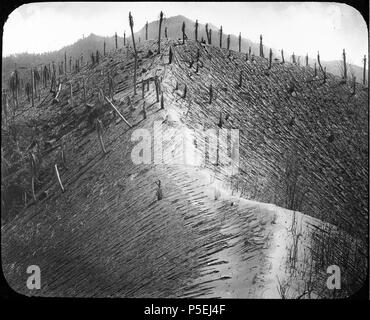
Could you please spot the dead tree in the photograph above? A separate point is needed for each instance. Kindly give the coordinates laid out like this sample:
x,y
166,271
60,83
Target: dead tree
x,y
240,41
45,76
170,56
184,92
33,170
293,58
84,90
159,192
196,30
131,21
5,106
115,109
124,38
228,42
115,39
157,87
307,60
183,32
354,86
159,35
71,94
144,110
65,62
221,37
261,47
111,87
210,93
99,129
318,61
364,71
165,32
146,30
33,87
56,98
207,34
240,79
14,86
282,56
162,101
344,66
220,121
58,177
142,89
104,46
270,58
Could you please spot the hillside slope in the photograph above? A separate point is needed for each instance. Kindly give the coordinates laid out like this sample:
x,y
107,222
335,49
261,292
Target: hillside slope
x,y
107,235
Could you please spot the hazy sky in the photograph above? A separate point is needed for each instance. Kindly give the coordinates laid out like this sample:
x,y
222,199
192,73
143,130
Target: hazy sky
x,y
300,27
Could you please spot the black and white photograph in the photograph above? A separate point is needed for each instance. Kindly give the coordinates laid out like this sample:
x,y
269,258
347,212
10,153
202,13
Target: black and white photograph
x,y
185,150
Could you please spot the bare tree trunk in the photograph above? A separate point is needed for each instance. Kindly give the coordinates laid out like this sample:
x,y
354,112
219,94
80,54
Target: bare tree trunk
x,y
33,88
146,31
318,61
261,47
364,71
58,177
159,34
270,58
5,107
354,86
84,90
344,66
240,41
157,89
221,37
131,21
196,30
170,56
99,130
16,88
115,38
207,34
71,93
183,32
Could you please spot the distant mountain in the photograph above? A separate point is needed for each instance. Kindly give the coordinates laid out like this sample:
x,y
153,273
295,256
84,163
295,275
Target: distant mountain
x,y
84,46
173,24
